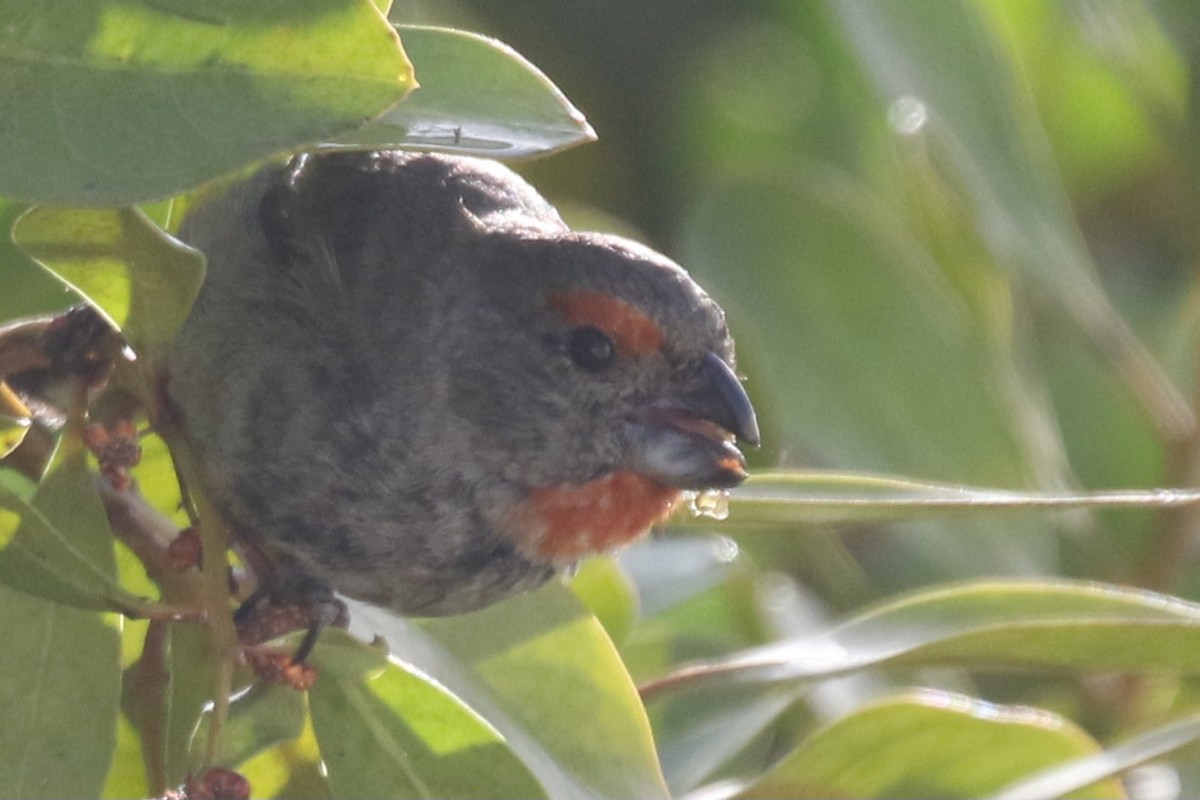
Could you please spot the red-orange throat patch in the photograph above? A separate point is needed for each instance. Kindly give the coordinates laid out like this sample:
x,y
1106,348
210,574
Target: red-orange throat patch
x,y
565,523
632,330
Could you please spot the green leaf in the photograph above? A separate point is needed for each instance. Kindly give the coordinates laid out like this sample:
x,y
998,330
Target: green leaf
x,y
608,593
58,699
824,496
340,654
699,733
61,690
192,666
156,481
28,291
549,665
477,96
264,715
125,779
138,277
540,670
12,433
290,770
928,744
1048,625
1085,770
181,93
48,548
393,732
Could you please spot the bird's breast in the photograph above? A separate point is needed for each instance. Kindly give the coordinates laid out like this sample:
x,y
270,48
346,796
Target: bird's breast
x,y
561,524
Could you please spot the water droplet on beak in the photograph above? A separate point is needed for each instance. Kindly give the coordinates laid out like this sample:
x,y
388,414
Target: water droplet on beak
x,y
711,503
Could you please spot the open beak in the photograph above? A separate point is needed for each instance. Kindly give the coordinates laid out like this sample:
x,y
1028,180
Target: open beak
x,y
686,440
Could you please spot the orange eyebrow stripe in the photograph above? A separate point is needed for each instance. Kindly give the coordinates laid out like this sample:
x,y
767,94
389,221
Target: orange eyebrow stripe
x,y
631,330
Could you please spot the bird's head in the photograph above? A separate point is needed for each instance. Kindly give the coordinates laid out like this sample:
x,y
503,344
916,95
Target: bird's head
x,y
603,382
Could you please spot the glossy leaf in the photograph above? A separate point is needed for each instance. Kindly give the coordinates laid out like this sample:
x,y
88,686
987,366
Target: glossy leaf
x,y
61,692
123,781
1085,770
393,732
12,433
549,665
28,291
477,96
821,496
608,593
52,562
1048,625
182,94
59,698
539,669
155,475
291,769
928,744
701,732
264,715
192,667
142,280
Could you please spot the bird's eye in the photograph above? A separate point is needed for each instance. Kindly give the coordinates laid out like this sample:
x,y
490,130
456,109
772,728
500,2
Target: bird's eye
x,y
590,348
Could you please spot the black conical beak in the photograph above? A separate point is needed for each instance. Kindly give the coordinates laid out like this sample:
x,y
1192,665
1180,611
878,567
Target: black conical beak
x,y
685,439
722,400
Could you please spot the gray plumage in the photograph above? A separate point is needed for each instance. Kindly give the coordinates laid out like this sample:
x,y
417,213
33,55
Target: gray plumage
x,y
373,376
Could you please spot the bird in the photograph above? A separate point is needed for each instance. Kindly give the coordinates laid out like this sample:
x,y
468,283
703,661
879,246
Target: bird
x,y
408,379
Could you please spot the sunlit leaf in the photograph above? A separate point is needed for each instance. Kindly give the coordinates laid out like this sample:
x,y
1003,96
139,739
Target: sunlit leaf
x,y
1085,770
928,744
28,291
182,93
394,732
12,433
477,96
1053,624
61,692
823,496
700,732
192,668
142,280
535,667
291,769
155,475
264,715
123,781
606,591
53,561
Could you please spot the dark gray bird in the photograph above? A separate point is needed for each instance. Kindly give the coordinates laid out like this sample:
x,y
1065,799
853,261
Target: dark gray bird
x,y
407,378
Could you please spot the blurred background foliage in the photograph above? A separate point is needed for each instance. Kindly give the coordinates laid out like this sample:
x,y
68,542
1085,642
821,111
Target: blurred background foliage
x,y
956,242
936,229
